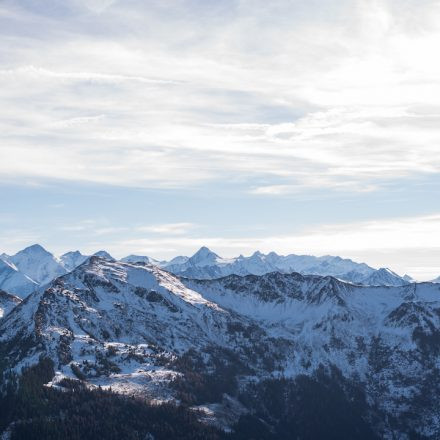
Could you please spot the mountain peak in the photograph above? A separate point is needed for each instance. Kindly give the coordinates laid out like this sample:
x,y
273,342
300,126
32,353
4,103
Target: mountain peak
x,y
72,254
204,252
386,270
72,259
103,254
204,256
139,259
38,264
34,249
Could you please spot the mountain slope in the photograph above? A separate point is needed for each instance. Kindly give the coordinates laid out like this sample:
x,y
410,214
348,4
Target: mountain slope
x,y
71,260
142,330
385,338
12,280
7,302
385,277
118,324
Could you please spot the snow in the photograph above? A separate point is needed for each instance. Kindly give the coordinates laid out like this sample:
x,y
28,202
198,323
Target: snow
x,y
13,281
138,318
103,254
7,302
71,260
38,264
205,264
23,272
140,259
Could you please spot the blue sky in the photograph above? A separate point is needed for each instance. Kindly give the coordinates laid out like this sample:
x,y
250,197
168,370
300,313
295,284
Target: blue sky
x,y
156,127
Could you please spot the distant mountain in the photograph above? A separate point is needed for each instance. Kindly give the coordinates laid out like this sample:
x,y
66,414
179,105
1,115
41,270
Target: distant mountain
x,y
70,260
34,266
205,264
104,254
436,280
140,259
384,277
38,264
176,260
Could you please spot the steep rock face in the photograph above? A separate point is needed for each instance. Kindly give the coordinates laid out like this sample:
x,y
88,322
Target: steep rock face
x,y
7,302
38,264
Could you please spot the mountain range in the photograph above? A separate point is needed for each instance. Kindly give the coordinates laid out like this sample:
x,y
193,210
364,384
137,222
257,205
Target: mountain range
x,y
227,347
32,267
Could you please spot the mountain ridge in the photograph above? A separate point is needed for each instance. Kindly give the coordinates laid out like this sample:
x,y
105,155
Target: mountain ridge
x,y
34,266
143,331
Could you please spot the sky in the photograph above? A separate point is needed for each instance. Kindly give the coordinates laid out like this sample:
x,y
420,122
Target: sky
x,y
155,127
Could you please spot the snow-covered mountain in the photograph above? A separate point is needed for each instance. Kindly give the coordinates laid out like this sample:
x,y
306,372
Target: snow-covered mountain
x,y
38,264
71,260
205,264
33,266
104,254
140,259
437,280
140,313
7,302
142,330
12,280
384,277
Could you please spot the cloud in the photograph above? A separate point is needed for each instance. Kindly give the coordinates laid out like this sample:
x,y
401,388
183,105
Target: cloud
x,y
83,225
29,73
168,228
97,6
296,95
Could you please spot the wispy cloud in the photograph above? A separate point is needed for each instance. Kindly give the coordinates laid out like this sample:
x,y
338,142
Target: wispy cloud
x,y
83,225
343,100
168,228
